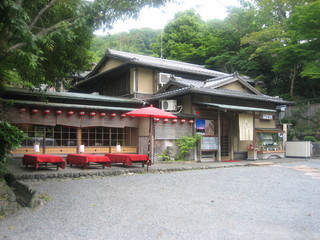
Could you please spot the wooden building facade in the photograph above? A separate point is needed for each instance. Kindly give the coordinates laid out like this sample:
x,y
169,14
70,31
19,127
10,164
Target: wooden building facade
x,y
62,122
235,120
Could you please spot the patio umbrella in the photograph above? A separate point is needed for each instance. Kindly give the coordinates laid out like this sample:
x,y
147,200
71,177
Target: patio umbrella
x,y
150,112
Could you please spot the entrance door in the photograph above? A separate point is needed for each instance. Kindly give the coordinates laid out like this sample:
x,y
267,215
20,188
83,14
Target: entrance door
x,y
225,139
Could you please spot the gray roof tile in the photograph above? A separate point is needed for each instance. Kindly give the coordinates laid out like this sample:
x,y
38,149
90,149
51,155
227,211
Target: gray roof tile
x,y
164,63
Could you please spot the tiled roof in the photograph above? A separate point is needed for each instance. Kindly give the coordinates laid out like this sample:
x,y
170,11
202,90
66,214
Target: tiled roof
x,y
73,106
221,81
240,94
213,83
235,107
218,92
175,92
75,96
163,63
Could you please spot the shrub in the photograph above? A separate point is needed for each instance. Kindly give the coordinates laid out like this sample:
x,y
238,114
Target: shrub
x,y
185,144
309,138
10,139
164,155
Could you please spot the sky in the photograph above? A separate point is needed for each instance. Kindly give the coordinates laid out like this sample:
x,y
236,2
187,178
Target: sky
x,y
157,18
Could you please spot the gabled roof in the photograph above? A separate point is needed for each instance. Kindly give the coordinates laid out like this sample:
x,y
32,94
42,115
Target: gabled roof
x,y
217,92
213,83
222,81
154,62
185,86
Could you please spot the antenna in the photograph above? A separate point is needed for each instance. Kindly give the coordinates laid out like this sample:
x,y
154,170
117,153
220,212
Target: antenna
x,y
161,55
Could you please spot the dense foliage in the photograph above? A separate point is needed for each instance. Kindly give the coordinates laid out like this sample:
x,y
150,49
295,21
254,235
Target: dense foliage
x,y
10,138
135,41
43,42
276,43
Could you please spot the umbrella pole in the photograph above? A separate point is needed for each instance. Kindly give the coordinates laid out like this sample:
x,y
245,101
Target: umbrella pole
x,y
151,140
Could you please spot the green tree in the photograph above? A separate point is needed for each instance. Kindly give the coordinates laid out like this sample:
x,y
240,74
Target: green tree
x,y
183,39
291,56
44,41
224,48
304,30
135,41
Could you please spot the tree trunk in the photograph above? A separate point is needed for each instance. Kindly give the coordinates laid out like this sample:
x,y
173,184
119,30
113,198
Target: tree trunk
x,y
293,79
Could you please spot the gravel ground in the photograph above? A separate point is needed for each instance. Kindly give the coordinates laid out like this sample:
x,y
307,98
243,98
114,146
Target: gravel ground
x,y
271,202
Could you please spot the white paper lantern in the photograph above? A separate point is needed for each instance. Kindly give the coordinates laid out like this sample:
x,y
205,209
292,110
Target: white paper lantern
x,y
81,148
118,148
36,147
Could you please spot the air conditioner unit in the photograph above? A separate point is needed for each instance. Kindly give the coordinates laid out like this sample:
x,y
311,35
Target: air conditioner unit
x,y
163,78
169,105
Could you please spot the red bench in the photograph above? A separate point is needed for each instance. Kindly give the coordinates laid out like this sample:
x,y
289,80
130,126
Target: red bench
x,y
129,159
38,160
86,159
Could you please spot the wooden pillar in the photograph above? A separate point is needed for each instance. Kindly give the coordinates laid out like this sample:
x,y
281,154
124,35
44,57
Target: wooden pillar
x,y
44,140
231,134
79,139
219,138
110,139
254,144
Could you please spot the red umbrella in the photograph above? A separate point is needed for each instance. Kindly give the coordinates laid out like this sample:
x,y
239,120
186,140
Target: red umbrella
x,y
150,112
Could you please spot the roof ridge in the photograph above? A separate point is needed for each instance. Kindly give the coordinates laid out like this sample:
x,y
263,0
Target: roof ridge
x,y
217,78
158,58
164,63
175,90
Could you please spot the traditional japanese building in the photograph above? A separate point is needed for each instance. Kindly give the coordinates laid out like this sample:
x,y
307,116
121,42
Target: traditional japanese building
x,y
235,119
61,121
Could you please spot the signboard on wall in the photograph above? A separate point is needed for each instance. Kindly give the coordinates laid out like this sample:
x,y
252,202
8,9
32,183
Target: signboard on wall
x,y
205,127
172,131
209,143
266,117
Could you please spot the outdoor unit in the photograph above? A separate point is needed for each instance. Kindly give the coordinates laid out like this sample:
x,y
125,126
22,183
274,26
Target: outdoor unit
x,y
163,78
298,149
168,105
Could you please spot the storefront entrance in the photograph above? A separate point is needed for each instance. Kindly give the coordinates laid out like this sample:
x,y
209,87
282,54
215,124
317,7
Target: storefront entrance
x,y
209,147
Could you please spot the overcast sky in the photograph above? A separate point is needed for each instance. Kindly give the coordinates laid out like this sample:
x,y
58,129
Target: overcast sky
x,y
157,18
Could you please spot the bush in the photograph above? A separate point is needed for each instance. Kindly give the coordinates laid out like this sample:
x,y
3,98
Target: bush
x,y
185,144
309,138
164,155
10,139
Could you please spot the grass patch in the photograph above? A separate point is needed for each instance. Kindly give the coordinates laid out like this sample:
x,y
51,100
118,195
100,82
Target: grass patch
x,y
44,197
